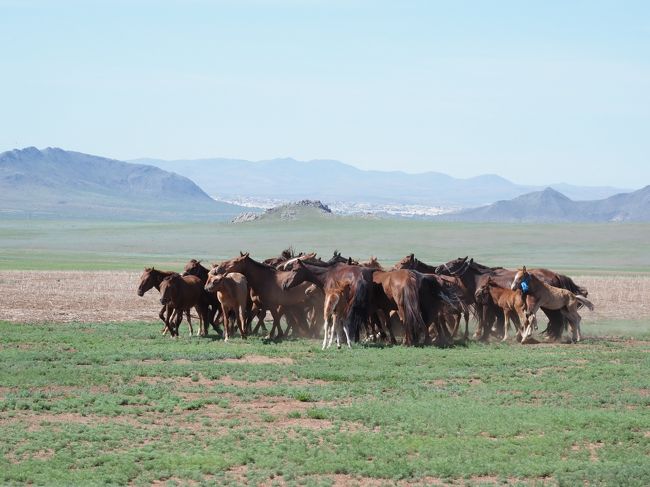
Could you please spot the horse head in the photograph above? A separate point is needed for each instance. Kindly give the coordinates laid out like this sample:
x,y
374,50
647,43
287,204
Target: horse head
x,y
146,281
453,267
213,281
232,265
297,275
521,275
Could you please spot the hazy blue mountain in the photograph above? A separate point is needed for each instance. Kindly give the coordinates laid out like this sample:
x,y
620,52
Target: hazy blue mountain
x,y
550,205
333,181
56,183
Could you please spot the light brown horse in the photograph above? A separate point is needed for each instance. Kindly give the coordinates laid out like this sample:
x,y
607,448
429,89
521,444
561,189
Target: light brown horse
x,y
184,293
269,285
336,301
542,295
232,292
511,302
401,290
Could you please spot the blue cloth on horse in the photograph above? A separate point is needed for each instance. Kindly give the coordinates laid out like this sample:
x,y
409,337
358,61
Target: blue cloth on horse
x,y
524,286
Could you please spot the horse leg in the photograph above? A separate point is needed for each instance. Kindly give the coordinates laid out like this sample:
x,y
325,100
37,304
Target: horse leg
x,y
189,320
226,322
347,337
242,322
466,318
506,324
276,313
574,320
165,318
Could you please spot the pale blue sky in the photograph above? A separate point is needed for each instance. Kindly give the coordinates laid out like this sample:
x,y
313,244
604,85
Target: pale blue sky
x,y
538,92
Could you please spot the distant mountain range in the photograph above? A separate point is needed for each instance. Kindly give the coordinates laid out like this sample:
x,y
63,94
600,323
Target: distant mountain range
x,y
550,205
57,183
54,183
334,181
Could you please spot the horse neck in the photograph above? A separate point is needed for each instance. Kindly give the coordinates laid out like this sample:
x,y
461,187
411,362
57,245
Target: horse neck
x,y
317,274
158,277
422,267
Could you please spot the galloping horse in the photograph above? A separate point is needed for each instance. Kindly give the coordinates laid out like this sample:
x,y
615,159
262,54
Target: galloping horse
x,y
542,295
151,278
184,293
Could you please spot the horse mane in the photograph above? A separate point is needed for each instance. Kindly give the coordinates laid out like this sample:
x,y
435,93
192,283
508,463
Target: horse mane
x,y
261,264
482,269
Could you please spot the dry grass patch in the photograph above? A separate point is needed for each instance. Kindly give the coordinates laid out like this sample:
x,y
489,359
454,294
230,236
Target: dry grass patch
x,y
110,296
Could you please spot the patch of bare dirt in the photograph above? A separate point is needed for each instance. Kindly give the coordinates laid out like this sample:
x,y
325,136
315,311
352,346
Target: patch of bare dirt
x,y
260,360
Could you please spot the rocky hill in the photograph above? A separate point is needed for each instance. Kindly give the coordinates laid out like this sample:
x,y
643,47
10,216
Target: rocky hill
x,y
299,210
54,183
552,206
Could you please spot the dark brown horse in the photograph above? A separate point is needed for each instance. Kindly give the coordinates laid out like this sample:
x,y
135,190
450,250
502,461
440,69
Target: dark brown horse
x,y
215,310
270,286
451,315
152,278
184,293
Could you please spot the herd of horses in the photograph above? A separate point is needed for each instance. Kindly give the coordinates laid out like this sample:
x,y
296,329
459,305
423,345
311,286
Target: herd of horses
x,y
413,301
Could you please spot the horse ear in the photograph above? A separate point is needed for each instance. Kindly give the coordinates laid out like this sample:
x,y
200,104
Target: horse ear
x,y
246,254
241,254
412,255
523,268
349,260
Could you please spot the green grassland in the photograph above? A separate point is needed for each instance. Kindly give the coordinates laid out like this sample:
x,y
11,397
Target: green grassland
x,y
117,404
80,244
104,403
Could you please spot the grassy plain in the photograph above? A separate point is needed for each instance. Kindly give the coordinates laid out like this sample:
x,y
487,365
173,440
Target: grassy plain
x,y
95,245
118,404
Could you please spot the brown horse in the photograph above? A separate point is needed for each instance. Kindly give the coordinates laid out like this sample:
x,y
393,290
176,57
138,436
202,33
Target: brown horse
x,y
232,292
195,268
328,278
184,293
336,301
401,289
542,295
269,285
151,278
511,302
451,315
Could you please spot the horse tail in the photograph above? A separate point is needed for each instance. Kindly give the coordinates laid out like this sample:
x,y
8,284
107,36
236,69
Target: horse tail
x,y
567,283
585,301
357,309
413,321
